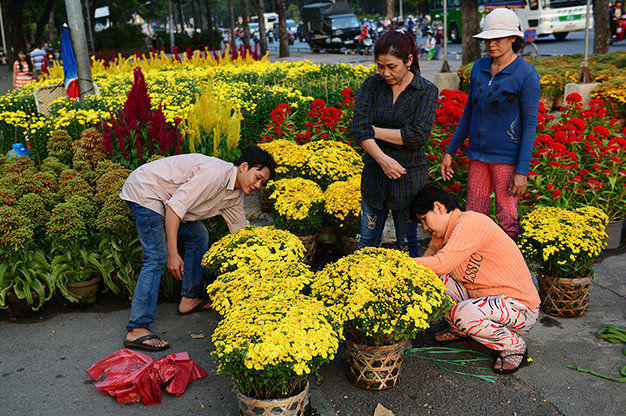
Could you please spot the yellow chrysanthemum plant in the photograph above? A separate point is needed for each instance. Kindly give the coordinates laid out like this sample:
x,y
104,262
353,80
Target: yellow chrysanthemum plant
x,y
342,205
260,281
331,161
563,243
269,347
381,296
290,158
298,205
250,246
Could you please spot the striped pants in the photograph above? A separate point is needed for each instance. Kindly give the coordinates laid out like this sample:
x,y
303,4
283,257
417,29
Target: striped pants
x,y
482,179
495,321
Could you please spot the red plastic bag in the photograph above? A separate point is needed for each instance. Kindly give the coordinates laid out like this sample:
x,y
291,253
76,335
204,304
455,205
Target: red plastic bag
x,y
132,376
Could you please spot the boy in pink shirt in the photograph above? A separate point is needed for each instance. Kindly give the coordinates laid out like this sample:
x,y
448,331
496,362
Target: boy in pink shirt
x,y
168,198
484,272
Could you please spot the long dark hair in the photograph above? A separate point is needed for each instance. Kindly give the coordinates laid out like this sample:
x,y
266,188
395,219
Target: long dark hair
x,y
399,43
29,62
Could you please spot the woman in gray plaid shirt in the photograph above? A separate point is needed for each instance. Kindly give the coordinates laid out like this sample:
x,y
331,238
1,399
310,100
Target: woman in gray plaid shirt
x,y
393,118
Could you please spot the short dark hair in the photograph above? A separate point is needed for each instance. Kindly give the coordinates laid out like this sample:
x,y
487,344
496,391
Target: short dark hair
x,y
257,158
425,200
517,44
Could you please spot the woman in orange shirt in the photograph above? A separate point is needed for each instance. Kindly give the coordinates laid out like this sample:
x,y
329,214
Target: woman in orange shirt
x,y
484,272
23,70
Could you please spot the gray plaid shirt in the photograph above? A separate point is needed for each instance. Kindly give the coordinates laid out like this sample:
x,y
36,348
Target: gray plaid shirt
x,y
414,114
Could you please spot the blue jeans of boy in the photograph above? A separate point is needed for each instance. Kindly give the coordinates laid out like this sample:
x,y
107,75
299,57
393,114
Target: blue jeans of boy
x,y
373,223
151,230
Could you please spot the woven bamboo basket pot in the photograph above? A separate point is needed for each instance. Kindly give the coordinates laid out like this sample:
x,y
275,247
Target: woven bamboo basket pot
x,y
264,200
564,297
348,244
374,368
291,406
310,245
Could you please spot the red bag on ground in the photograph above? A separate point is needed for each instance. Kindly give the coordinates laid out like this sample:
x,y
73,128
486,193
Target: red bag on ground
x,y
132,376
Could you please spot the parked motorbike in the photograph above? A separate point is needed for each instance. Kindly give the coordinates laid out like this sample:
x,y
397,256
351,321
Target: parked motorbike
x,y
620,31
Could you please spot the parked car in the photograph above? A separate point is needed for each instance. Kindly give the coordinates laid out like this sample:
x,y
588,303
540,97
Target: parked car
x,y
330,26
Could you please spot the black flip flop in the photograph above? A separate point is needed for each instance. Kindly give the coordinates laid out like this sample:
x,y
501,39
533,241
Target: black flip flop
x,y
138,344
524,362
200,307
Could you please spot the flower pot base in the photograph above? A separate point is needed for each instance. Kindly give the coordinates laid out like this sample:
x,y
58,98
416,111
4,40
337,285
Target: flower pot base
x,y
614,232
86,292
310,245
348,244
374,368
20,309
565,298
290,406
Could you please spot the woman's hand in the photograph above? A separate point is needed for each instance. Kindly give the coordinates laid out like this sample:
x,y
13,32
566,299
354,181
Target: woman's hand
x,y
446,167
517,186
391,167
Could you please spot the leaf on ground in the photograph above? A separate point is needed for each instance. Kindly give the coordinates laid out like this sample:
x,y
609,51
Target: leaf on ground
x,y
382,411
197,336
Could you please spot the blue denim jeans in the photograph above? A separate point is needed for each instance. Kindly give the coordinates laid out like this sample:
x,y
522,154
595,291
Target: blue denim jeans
x,y
151,230
373,223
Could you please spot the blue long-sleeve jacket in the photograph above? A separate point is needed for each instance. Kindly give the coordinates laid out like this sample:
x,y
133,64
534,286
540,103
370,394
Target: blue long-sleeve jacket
x,y
500,115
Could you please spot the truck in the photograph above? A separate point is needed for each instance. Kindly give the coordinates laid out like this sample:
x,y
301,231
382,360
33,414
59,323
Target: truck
x,y
330,26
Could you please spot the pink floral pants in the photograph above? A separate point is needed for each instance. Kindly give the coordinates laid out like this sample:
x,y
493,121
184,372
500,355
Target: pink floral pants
x,y
495,321
482,179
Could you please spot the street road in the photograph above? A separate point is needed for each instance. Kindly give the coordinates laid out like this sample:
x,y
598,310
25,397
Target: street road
x,y
574,43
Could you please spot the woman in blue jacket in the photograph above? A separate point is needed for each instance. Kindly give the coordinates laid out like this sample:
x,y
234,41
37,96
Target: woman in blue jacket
x,y
500,118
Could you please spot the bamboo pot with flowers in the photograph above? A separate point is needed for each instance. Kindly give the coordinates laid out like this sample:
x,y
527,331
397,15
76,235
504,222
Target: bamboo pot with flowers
x,y
561,245
342,205
298,206
383,298
269,347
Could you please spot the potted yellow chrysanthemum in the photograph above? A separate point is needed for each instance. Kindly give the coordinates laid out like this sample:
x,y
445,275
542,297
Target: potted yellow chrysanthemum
x,y
383,298
298,206
560,246
342,205
269,347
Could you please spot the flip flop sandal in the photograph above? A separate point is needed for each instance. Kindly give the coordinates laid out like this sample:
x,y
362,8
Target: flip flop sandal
x,y
448,336
138,343
200,307
523,363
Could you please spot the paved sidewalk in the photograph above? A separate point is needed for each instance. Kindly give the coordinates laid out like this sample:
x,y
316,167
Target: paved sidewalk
x,y
42,364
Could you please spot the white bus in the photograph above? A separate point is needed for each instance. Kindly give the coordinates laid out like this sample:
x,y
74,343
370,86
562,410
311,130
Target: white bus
x,y
547,17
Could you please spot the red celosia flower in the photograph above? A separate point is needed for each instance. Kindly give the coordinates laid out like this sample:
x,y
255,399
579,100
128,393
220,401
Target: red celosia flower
x,y
556,193
574,98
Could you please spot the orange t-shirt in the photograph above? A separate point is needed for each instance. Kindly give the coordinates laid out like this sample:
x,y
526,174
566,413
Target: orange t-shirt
x,y
478,254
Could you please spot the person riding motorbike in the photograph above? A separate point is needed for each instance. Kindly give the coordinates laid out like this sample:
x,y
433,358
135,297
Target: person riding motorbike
x,y
437,28
617,21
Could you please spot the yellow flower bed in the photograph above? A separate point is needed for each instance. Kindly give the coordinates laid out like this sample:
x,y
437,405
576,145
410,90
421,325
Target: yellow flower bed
x,y
331,161
563,243
270,346
290,158
382,296
260,281
250,246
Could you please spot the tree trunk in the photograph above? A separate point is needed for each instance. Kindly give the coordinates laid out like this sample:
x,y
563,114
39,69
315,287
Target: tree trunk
x,y
390,6
283,49
246,26
262,37
199,14
179,11
123,17
209,24
43,20
17,41
231,26
51,21
194,15
601,31
470,26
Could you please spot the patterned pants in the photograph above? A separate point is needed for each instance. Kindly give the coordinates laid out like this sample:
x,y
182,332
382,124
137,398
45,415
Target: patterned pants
x,y
495,321
482,179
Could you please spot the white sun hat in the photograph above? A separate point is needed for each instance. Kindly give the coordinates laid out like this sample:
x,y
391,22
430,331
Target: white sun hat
x,y
500,23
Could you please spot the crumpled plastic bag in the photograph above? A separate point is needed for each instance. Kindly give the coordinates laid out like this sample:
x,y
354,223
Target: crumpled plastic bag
x,y
132,376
